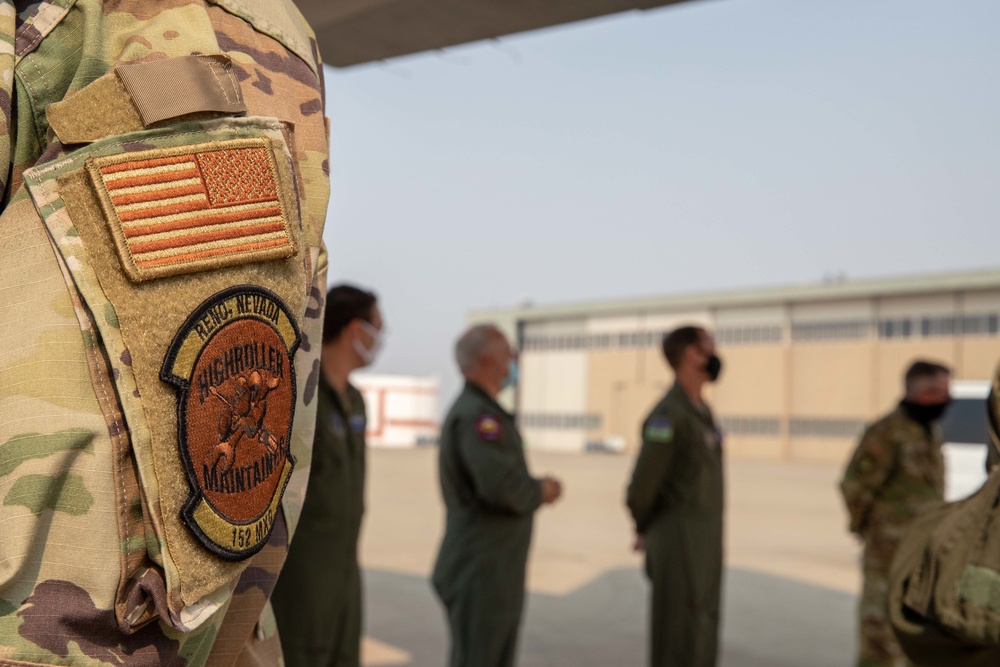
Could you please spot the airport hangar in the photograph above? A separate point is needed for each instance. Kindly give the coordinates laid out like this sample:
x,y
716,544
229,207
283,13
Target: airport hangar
x,y
806,367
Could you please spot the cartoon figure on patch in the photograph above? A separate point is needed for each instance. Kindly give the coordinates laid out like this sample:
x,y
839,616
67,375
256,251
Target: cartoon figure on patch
x,y
247,408
231,362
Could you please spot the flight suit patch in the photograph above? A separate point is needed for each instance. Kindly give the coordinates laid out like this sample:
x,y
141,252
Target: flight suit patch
x,y
358,423
337,425
489,428
232,365
193,208
659,429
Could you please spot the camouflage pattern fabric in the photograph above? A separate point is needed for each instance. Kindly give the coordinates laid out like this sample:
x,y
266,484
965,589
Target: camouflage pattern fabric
x,y
88,575
943,600
896,472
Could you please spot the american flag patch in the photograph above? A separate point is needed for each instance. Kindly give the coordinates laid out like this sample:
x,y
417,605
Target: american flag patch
x,y
195,208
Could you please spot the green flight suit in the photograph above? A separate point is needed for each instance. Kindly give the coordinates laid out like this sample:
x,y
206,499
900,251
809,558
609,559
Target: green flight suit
x,y
490,499
317,600
676,500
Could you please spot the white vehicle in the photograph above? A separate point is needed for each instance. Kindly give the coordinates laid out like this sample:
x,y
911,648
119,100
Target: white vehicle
x,y
965,438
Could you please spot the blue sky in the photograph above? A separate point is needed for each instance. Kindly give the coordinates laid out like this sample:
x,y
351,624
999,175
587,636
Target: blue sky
x,y
722,144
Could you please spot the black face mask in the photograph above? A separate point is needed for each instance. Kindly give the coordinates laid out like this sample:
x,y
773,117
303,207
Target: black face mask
x,y
925,414
713,367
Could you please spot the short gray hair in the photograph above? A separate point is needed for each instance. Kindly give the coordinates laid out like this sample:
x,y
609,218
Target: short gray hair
x,y
473,344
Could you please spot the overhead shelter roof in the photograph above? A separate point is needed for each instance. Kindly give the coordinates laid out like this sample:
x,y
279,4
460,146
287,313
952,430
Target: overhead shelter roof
x,y
351,32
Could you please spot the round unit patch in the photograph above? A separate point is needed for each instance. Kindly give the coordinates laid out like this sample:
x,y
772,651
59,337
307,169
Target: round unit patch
x,y
231,362
488,427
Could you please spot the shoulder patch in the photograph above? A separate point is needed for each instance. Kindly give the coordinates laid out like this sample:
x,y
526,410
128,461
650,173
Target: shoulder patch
x,y
193,208
489,428
337,424
232,365
659,429
358,423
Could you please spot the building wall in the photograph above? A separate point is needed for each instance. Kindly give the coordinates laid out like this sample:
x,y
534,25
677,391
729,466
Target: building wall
x,y
800,380
978,355
553,405
402,411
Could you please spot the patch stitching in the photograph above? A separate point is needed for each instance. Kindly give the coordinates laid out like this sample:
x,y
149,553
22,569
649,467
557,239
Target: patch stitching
x,y
170,213
489,428
208,522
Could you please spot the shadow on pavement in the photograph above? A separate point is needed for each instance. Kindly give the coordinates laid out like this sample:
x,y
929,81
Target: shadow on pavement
x,y
769,622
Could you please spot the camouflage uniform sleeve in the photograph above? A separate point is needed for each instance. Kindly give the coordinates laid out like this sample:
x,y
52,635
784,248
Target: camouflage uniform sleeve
x,y
7,35
91,456
495,461
870,466
659,447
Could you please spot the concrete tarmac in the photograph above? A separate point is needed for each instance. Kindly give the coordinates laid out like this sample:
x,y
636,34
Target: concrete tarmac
x,y
790,581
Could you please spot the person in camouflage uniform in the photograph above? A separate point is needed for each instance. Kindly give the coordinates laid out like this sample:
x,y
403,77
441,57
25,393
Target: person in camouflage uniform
x,y
896,472
161,293
942,586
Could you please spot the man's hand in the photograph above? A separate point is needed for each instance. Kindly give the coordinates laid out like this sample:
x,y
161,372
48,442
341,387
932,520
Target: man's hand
x,y
640,543
551,490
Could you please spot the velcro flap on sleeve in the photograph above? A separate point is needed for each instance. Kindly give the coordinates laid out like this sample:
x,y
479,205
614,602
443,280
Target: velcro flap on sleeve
x,y
175,87
102,109
135,96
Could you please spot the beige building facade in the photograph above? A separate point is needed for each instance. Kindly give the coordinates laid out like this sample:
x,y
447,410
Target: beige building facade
x,y
806,367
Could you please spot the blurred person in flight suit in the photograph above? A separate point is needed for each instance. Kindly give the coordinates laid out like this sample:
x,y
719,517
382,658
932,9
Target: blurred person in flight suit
x,y
490,498
993,415
161,268
896,472
317,600
676,499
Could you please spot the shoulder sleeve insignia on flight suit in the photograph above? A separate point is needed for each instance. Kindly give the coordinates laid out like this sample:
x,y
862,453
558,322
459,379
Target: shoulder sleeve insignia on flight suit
x,y
659,429
489,428
231,363
358,423
193,208
337,425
